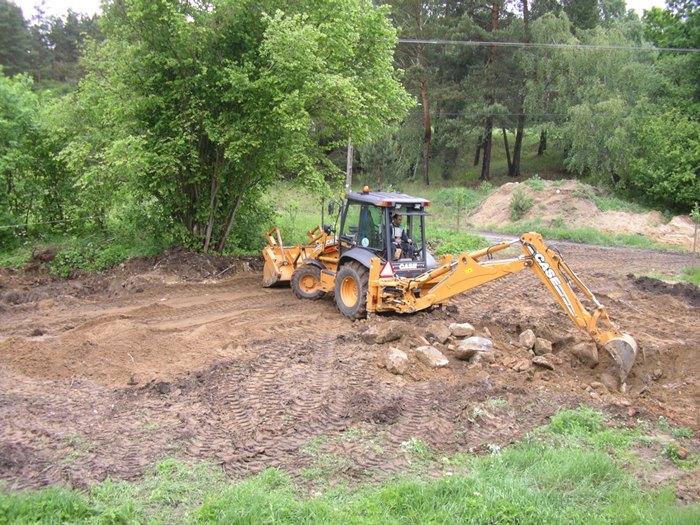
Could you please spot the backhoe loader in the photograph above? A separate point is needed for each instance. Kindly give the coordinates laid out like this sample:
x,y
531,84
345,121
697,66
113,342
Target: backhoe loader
x,y
379,263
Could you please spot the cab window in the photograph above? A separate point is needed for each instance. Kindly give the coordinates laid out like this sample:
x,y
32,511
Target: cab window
x,y
364,226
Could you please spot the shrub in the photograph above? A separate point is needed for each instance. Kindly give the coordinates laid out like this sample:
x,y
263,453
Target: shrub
x,y
520,204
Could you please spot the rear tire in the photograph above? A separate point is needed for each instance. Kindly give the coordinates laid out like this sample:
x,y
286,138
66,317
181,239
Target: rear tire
x,y
351,290
306,281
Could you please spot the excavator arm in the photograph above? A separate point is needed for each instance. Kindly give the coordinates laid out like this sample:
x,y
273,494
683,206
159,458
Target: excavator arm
x,y
469,270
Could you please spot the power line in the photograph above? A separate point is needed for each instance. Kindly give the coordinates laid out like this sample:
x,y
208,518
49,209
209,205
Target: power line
x,y
476,43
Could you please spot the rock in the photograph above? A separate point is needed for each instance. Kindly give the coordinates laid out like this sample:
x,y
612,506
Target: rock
x,y
597,385
487,357
437,331
542,361
472,345
610,382
383,333
162,387
542,346
554,359
37,332
657,374
133,380
521,365
586,353
396,361
487,332
431,356
45,255
631,411
462,329
527,339
682,453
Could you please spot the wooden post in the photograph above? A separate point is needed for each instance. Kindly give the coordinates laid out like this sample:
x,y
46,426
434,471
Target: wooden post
x,y
348,170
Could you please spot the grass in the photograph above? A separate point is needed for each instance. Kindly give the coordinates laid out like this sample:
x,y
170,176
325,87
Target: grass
x,y
584,235
95,251
691,275
565,472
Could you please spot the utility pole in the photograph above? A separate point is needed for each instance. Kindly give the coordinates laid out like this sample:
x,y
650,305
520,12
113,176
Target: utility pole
x,y
348,170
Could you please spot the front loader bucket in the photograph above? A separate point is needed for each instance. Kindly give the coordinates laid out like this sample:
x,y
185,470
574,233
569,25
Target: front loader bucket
x,y
270,275
277,270
623,349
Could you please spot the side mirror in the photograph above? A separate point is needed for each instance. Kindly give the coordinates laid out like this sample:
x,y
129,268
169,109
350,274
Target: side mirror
x,y
331,208
328,229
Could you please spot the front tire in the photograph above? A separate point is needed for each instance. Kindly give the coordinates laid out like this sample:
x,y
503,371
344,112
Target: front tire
x,y
351,290
305,283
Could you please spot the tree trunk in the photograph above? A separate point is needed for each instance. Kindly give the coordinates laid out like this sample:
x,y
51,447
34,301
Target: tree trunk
x,y
479,145
505,143
488,142
518,146
543,143
212,209
227,224
488,127
427,131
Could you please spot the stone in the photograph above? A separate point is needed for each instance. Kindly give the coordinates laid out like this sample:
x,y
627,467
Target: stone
x,y
610,382
542,361
133,380
597,385
522,365
163,388
586,353
431,356
542,346
437,331
383,333
396,361
462,329
527,339
554,359
682,453
467,348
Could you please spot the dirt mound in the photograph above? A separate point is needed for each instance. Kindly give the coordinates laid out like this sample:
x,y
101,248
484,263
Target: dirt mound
x,y
569,203
687,291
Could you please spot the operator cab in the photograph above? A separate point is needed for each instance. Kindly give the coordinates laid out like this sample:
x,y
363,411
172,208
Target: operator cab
x,y
390,226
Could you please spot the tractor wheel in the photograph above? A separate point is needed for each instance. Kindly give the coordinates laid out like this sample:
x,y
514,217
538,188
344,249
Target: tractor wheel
x,y
305,282
351,290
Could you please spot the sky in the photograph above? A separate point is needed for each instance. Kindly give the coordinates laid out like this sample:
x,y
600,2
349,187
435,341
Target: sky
x,y
60,7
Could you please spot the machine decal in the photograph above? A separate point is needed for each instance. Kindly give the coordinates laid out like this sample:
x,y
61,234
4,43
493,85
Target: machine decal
x,y
552,276
408,266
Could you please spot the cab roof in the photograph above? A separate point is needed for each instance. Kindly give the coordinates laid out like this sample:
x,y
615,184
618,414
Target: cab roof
x,y
380,198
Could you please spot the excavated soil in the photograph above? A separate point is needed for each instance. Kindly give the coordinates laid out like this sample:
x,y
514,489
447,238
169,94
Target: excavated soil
x,y
105,375
569,202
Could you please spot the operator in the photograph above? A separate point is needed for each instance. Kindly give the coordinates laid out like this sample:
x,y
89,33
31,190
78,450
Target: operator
x,y
400,239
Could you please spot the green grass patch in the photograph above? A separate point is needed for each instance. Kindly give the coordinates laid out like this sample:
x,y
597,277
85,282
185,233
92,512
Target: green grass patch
x,y
520,204
584,235
691,275
562,473
605,201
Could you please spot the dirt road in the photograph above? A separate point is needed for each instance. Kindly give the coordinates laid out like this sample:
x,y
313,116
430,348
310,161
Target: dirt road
x,y
103,376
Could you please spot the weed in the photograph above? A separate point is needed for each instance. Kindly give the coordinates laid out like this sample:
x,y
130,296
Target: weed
x,y
417,450
520,204
680,456
497,402
325,467
535,182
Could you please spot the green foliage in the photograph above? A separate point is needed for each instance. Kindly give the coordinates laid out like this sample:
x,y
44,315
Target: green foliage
x,y
520,204
691,275
663,169
535,182
583,421
97,252
454,243
206,135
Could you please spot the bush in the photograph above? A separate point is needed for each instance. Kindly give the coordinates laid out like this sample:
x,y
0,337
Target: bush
x,y
520,204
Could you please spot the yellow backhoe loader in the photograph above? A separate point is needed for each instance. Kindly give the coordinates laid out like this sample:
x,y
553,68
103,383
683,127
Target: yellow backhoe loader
x,y
379,262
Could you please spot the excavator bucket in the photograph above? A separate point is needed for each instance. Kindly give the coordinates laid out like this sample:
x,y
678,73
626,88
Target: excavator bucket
x,y
279,260
623,349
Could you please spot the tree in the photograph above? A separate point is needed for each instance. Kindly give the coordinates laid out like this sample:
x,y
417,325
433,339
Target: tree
x,y
14,39
209,105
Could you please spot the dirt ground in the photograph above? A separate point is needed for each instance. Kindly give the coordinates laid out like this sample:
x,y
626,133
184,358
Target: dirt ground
x,y
187,356
568,202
